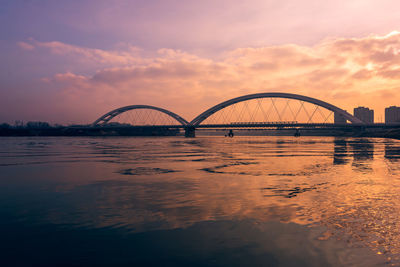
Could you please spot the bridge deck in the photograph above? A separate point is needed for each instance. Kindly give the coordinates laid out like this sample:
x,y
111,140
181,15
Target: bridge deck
x,y
267,125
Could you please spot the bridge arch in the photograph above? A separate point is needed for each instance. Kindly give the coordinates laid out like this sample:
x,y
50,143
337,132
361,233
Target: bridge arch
x,y
110,115
203,116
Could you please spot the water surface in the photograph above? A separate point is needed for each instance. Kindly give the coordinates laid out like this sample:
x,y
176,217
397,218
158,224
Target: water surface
x,y
207,201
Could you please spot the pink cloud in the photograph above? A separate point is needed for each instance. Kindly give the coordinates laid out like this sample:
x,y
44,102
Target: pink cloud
x,y
25,46
345,72
126,55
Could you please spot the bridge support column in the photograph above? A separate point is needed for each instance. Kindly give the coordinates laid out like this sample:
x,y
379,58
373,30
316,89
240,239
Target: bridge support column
x,y
190,132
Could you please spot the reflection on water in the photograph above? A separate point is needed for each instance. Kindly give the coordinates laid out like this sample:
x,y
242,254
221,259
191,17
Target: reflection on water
x,y
392,150
276,201
363,150
363,154
340,155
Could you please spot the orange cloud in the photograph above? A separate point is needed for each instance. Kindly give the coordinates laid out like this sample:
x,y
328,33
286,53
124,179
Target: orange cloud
x,y
344,72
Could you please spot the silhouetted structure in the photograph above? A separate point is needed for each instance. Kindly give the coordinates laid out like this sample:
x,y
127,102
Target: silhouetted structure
x,y
364,114
203,116
345,124
108,116
339,119
190,127
37,125
392,115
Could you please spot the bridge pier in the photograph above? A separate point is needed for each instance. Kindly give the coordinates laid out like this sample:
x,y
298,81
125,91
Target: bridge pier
x,y
190,131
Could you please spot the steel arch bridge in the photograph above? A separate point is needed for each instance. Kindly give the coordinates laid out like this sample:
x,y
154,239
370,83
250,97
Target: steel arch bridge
x,y
198,122
103,120
206,114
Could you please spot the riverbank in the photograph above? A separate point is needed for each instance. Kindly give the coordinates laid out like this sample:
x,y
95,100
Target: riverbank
x,y
89,131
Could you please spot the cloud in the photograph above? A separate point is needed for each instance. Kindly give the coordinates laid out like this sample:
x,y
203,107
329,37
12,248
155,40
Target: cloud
x,y
125,55
25,46
345,71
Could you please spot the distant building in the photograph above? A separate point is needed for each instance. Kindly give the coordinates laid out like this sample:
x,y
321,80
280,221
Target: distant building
x,y
339,119
392,114
364,114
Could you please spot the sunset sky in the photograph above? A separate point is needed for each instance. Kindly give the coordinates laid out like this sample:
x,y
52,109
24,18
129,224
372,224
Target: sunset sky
x,y
72,61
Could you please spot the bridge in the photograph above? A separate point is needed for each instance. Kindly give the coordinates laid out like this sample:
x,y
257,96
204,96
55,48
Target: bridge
x,y
263,110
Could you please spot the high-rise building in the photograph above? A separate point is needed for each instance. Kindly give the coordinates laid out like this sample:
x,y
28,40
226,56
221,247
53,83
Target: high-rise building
x,y
392,114
364,114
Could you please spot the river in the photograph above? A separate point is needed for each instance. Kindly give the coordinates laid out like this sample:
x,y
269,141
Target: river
x,y
204,201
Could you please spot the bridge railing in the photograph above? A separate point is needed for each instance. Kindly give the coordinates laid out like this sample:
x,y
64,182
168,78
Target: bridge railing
x,y
263,122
